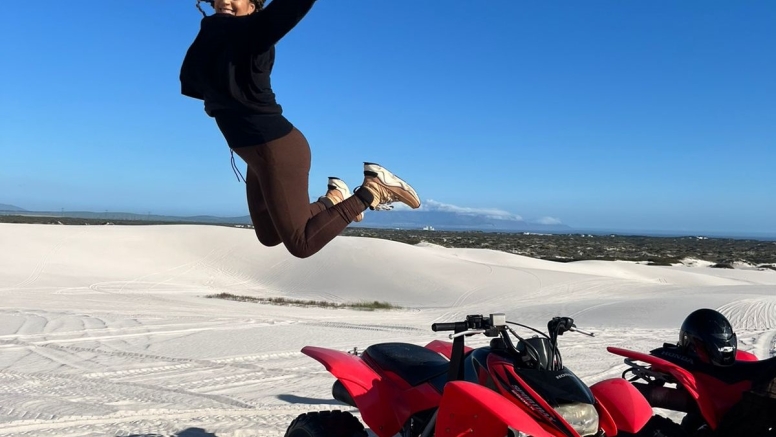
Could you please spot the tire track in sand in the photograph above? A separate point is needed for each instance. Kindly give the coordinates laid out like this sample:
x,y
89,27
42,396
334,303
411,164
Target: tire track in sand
x,y
751,314
43,262
264,420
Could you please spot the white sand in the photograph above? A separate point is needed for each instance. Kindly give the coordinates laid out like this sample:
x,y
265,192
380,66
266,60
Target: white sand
x,y
104,330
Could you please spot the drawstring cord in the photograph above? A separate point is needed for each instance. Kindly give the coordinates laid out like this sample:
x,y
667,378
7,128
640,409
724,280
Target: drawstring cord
x,y
235,169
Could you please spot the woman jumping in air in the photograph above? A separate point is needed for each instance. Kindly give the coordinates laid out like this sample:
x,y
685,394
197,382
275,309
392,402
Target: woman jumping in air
x,y
228,66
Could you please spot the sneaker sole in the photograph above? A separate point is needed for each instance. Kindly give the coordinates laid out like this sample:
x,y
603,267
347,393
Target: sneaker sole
x,y
391,180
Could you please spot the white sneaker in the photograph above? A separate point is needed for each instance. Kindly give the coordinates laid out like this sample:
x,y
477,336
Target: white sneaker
x,y
387,188
339,191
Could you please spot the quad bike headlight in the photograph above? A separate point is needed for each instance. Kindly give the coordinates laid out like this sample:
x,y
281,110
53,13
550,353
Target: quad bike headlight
x,y
582,417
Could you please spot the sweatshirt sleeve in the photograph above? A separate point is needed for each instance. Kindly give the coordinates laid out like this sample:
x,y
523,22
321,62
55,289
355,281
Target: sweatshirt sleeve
x,y
265,28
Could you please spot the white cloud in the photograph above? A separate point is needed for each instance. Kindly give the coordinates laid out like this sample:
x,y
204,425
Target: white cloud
x,y
433,205
548,221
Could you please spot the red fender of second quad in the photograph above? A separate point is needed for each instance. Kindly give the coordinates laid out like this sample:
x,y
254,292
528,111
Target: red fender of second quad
x,y
683,376
745,356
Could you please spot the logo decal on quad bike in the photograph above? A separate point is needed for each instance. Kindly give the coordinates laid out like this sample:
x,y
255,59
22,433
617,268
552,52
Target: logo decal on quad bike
x,y
513,386
676,356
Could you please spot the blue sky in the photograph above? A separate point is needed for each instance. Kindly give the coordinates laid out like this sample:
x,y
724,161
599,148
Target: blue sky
x,y
657,115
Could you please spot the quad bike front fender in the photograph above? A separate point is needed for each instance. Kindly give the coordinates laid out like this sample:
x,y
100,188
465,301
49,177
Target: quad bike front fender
x,y
468,409
384,406
605,420
623,403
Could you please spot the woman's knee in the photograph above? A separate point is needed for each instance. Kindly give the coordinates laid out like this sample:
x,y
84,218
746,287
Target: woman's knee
x,y
299,250
268,240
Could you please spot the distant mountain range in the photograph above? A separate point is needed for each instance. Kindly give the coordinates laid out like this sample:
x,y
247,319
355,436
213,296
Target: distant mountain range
x,y
454,221
205,219
435,216
9,208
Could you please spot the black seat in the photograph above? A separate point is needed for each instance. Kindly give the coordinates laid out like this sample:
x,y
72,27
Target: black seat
x,y
414,364
756,371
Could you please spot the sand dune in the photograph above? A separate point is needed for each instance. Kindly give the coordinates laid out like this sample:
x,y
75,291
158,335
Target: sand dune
x,y
104,330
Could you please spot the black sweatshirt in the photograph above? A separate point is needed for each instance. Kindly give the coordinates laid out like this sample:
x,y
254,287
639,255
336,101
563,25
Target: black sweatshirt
x,y
228,65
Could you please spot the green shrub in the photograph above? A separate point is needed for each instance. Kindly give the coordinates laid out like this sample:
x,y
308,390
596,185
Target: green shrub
x,y
363,305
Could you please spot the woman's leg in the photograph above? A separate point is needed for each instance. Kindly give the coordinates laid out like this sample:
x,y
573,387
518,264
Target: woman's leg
x,y
282,167
262,223
257,207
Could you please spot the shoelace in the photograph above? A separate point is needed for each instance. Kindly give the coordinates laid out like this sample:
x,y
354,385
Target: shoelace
x,y
385,205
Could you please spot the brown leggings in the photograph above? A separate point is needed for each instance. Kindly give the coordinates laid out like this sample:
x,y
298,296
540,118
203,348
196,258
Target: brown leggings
x,y
279,201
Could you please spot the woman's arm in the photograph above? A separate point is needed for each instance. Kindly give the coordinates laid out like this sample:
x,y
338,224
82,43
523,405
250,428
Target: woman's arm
x,y
263,29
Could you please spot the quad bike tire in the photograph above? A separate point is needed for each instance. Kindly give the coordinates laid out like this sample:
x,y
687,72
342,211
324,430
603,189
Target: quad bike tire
x,y
334,423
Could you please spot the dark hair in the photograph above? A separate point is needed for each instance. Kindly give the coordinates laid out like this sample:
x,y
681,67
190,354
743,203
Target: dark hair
x,y
259,4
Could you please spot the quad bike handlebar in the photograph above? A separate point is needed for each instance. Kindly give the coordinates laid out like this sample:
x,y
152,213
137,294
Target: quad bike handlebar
x,y
534,352
491,324
449,326
497,321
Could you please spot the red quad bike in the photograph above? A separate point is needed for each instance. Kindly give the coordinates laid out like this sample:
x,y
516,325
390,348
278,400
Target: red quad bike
x,y
732,394
513,389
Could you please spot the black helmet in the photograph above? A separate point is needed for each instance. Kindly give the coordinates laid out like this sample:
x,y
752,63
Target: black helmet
x,y
708,335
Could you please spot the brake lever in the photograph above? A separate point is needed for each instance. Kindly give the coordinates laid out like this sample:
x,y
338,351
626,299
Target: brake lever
x,y
471,332
575,329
